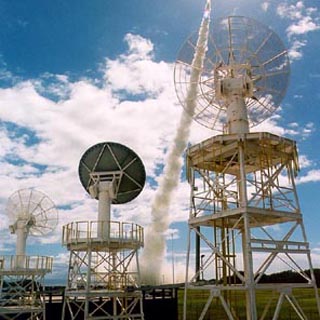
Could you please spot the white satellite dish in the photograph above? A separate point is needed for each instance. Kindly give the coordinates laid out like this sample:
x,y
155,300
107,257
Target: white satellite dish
x,y
30,212
243,79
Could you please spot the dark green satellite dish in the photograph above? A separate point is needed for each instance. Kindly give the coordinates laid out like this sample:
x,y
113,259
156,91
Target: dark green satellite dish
x,y
110,160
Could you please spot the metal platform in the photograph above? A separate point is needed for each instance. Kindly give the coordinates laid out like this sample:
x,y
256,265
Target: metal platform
x,y
21,286
263,150
81,235
25,265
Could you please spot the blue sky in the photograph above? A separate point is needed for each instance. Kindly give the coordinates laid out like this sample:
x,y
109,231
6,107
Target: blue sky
x,y
75,73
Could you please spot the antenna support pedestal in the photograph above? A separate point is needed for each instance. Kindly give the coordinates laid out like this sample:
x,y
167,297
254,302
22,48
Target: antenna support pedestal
x,y
21,231
106,194
237,115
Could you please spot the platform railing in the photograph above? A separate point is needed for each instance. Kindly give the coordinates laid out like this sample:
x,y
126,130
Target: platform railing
x,y
35,264
88,231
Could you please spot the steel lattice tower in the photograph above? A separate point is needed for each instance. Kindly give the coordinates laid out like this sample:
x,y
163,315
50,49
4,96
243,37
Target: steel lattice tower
x,y
22,286
244,193
103,274
245,217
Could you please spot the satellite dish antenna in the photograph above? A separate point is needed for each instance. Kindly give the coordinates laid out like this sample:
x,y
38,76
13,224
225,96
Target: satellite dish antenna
x,y
243,79
112,174
31,213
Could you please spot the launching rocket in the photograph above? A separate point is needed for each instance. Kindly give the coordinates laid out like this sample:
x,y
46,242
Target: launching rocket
x,y
207,10
154,250
198,59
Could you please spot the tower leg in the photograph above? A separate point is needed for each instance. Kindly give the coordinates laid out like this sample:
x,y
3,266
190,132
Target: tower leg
x,y
248,272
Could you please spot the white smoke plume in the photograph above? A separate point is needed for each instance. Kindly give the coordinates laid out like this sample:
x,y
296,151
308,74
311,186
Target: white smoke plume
x,y
155,238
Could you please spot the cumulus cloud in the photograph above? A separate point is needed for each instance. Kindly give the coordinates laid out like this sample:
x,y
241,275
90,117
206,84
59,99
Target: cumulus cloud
x,y
55,120
303,20
304,161
265,6
143,75
291,11
139,47
43,139
310,176
304,25
295,52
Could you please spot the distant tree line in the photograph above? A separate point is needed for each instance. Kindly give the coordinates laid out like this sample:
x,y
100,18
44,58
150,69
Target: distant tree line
x,y
288,276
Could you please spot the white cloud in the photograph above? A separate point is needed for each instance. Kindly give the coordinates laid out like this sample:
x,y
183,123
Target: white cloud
x,y
139,47
135,72
303,20
310,176
295,50
56,133
304,161
270,125
265,6
293,125
285,10
44,139
305,25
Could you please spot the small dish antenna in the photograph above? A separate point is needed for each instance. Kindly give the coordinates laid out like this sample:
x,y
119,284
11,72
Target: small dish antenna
x,y
113,174
31,212
243,79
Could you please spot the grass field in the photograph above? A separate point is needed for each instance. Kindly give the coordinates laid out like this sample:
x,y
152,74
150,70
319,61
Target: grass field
x,y
197,299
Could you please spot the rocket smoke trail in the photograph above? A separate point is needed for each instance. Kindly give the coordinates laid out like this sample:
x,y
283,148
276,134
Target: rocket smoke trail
x,y
155,241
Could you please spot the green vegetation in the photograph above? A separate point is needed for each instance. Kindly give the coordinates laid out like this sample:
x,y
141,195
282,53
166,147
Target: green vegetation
x,y
197,299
